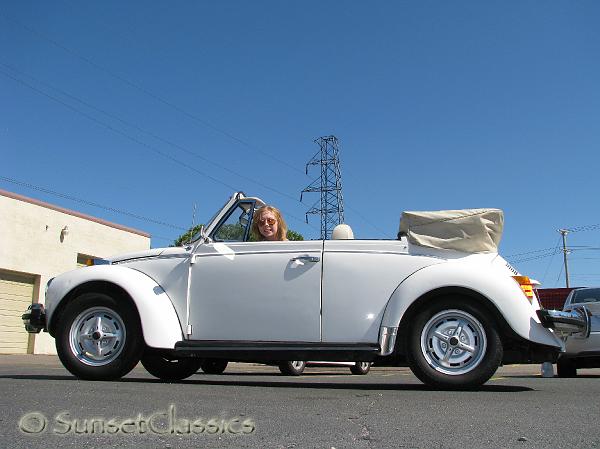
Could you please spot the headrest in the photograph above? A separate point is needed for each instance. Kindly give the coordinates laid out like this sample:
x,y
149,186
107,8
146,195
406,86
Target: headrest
x,y
342,232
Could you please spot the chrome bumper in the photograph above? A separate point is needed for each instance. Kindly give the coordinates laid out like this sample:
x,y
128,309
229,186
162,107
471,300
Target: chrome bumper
x,y
575,321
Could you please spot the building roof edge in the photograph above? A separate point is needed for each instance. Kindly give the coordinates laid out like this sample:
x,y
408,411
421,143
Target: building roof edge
x,y
63,210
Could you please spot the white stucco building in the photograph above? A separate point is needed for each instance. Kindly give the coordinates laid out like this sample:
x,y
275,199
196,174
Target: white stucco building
x,y
38,241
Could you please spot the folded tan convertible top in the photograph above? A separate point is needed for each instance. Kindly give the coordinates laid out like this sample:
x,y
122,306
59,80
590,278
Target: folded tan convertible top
x,y
467,230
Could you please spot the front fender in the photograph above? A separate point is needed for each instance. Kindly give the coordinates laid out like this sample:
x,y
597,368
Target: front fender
x,y
500,289
160,324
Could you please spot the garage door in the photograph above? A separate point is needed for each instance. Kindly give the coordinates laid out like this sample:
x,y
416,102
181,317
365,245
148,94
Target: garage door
x,y
16,294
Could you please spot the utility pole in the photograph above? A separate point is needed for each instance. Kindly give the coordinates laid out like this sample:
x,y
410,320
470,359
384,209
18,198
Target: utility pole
x,y
564,233
329,184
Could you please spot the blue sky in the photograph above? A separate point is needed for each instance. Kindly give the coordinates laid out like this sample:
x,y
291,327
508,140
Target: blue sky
x,y
151,107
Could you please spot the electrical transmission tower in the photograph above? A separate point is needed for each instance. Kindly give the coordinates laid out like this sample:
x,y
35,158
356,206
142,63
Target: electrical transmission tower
x,y
329,184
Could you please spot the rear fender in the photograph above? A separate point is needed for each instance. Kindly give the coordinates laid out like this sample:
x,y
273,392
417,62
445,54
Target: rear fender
x,y
500,290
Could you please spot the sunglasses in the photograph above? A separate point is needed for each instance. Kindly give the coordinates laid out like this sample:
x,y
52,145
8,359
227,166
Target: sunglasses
x,y
269,221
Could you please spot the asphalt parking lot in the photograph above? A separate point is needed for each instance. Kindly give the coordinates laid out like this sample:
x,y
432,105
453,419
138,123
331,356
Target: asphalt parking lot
x,y
253,406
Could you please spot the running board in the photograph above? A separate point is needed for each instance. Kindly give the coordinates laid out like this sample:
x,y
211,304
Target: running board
x,y
278,350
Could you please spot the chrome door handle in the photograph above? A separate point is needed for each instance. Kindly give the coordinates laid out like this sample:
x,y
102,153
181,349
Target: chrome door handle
x,y
312,259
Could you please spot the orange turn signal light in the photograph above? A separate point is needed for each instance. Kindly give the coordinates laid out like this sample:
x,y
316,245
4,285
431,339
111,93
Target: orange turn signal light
x,y
526,285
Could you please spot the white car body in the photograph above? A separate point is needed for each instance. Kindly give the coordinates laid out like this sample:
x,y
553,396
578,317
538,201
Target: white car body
x,y
344,300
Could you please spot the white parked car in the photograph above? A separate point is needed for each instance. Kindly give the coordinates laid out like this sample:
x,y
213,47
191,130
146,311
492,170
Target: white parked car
x,y
439,299
582,352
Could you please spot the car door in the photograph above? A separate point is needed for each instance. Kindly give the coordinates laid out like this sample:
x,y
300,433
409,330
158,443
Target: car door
x,y
255,291
359,277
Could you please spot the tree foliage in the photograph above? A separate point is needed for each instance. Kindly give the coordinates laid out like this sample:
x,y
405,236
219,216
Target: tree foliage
x,y
293,235
186,236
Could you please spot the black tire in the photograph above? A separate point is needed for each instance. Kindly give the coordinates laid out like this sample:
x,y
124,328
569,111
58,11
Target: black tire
x,y
566,367
170,370
292,368
463,368
360,368
213,366
99,337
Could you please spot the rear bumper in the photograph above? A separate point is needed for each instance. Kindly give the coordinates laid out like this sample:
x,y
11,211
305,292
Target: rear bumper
x,y
575,321
34,319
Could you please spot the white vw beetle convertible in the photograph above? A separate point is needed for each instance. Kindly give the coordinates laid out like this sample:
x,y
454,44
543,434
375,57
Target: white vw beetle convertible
x,y
439,299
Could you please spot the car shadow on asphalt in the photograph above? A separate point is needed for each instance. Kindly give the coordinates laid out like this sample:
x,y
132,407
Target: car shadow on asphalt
x,y
374,386
537,376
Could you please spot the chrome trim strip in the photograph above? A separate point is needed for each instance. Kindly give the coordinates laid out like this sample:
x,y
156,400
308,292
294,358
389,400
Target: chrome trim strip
x,y
387,340
250,253
168,256
367,251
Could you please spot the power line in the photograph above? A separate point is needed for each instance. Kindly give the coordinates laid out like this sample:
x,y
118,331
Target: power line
x,y
584,228
530,252
559,274
129,137
149,93
151,134
556,249
90,203
118,131
175,107
527,259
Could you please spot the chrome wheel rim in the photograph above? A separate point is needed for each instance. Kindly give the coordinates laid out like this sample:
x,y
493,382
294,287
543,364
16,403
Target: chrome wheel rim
x,y
97,336
453,342
297,364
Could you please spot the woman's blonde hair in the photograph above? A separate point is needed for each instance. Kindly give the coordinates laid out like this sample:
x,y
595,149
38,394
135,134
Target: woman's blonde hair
x,y
281,226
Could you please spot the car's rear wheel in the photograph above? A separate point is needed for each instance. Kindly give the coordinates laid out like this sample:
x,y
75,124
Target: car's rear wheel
x,y
292,367
170,370
360,368
453,344
213,366
566,367
99,337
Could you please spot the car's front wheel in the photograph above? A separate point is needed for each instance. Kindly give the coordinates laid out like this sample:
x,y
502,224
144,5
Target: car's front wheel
x,y
360,368
170,370
454,344
213,366
292,367
99,337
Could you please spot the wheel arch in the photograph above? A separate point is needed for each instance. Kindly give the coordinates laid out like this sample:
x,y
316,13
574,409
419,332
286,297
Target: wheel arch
x,y
105,287
160,324
497,293
473,297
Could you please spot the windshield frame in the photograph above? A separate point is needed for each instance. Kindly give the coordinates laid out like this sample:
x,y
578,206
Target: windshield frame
x,y
224,211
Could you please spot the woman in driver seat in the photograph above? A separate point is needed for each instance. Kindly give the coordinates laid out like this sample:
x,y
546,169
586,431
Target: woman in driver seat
x,y
268,224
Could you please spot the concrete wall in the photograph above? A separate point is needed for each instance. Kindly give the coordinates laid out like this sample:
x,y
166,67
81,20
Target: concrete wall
x,y
32,242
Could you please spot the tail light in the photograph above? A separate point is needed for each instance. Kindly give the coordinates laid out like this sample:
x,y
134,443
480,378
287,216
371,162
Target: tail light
x,y
526,286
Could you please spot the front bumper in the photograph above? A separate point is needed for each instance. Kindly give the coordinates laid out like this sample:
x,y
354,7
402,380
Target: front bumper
x,y
34,319
575,321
